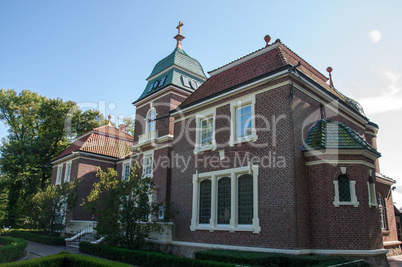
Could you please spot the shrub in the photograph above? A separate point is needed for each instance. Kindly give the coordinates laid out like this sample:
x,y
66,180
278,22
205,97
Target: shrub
x,y
14,247
66,259
269,259
145,258
36,237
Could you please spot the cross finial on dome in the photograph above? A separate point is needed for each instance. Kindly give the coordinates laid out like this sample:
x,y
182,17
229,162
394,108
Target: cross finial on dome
x,y
179,37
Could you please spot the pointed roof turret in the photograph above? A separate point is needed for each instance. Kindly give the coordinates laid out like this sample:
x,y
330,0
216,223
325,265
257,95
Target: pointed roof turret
x,y
178,69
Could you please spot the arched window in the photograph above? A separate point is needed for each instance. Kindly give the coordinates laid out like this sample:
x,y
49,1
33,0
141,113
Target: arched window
x,y
245,199
383,211
344,188
151,121
224,200
205,202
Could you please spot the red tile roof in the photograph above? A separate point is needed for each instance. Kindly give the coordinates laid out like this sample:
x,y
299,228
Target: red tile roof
x,y
239,72
105,140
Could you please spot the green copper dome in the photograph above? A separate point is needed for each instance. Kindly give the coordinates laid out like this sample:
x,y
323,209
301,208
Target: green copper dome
x,y
179,58
176,69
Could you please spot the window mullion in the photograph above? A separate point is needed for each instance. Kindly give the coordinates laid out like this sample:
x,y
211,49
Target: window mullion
x,y
213,201
233,210
196,197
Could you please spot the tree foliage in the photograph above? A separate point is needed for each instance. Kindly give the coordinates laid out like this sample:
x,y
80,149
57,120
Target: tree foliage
x,y
39,130
122,207
51,203
130,125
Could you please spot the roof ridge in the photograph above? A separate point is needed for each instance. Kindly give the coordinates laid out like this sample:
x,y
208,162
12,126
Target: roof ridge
x,y
314,70
273,46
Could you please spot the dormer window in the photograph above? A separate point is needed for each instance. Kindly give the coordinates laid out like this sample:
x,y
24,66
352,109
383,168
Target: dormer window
x,y
151,120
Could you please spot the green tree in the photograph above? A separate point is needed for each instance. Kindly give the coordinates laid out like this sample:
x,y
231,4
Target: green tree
x,y
39,130
50,201
122,208
130,125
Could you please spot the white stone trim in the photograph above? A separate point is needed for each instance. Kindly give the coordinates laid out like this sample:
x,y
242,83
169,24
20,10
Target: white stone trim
x,y
374,252
372,200
334,151
59,174
68,163
384,179
391,243
211,113
353,197
239,103
213,176
336,162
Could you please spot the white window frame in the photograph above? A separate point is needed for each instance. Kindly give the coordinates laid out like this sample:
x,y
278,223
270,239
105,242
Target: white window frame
x,y
144,156
372,199
353,198
234,106
123,169
199,118
67,174
147,124
383,212
214,176
59,174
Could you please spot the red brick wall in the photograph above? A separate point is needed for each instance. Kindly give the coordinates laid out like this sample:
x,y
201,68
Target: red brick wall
x,y
295,203
87,169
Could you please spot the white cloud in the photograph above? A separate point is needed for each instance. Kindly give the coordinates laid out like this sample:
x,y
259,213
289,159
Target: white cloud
x,y
375,36
391,99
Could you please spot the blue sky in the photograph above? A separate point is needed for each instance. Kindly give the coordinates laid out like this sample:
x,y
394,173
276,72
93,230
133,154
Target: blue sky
x,y
99,53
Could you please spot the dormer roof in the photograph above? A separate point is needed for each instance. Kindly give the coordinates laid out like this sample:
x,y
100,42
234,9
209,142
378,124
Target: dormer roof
x,y
328,134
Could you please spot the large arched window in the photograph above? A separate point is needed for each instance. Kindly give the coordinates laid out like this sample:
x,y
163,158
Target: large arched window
x,y
344,188
205,201
245,199
224,200
383,211
151,121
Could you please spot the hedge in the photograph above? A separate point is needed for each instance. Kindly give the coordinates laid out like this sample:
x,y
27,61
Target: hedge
x,y
36,237
66,259
270,259
13,248
145,258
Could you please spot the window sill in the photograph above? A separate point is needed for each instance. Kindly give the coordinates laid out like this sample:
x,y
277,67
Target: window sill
x,y
250,138
385,232
204,148
341,203
372,205
239,228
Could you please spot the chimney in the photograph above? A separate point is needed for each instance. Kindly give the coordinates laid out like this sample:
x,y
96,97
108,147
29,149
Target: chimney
x,y
122,127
